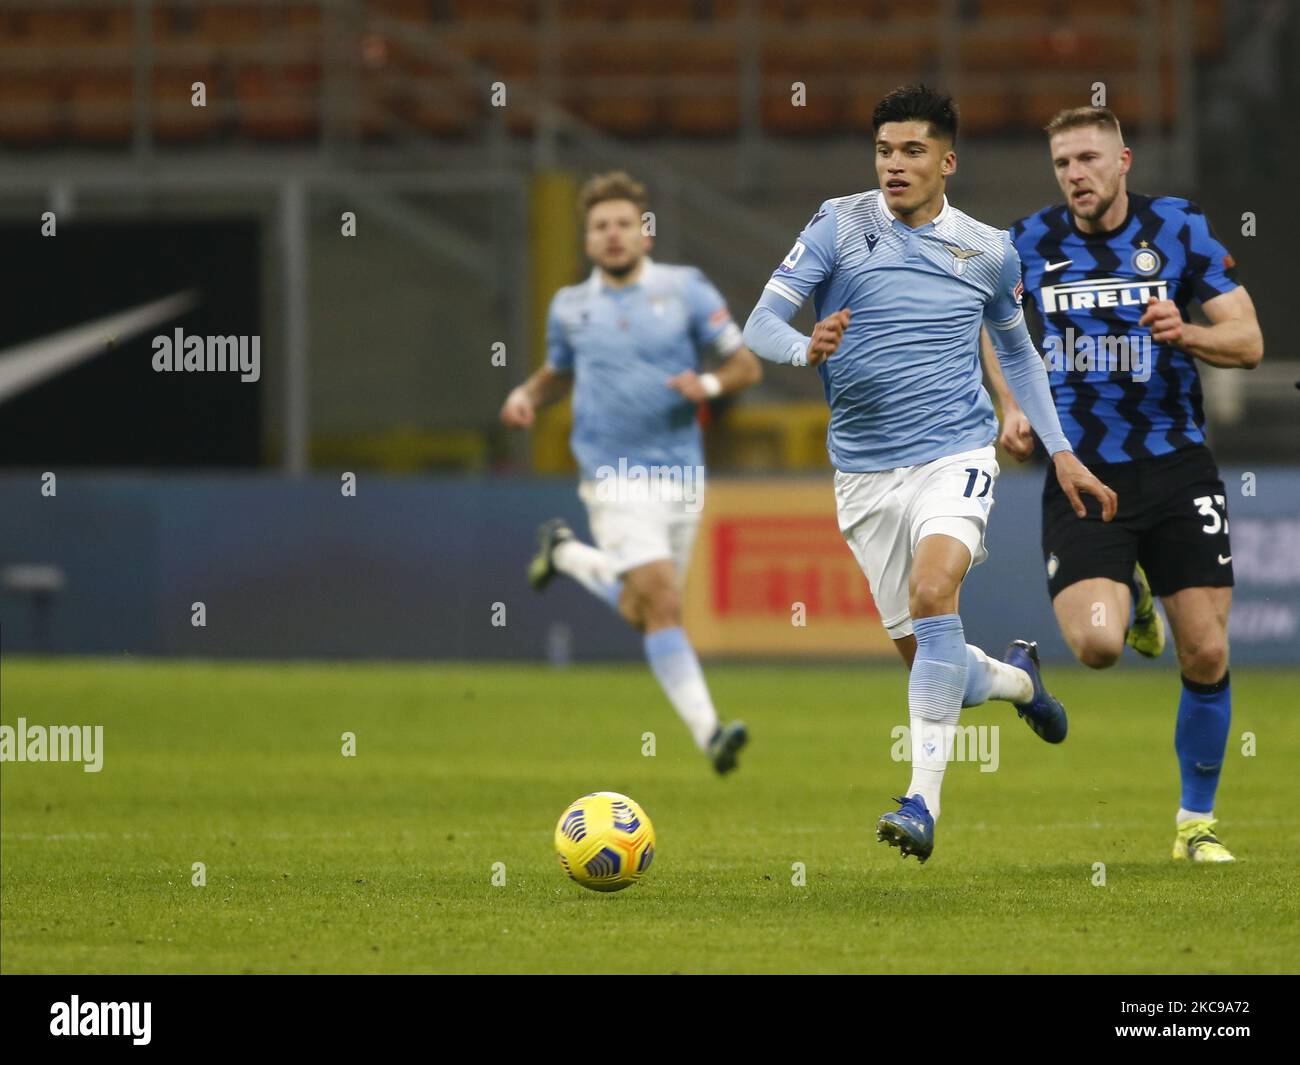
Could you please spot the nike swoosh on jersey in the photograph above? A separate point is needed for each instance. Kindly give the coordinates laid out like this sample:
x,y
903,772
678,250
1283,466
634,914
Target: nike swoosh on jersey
x,y
1224,561
1049,267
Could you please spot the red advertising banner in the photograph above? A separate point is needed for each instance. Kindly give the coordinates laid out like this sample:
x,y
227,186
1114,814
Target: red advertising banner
x,y
771,575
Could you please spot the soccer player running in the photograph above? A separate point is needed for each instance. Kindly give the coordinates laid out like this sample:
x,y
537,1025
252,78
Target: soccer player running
x,y
901,282
1110,273
628,341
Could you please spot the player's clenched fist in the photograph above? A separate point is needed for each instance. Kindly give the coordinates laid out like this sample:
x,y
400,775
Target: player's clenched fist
x,y
826,337
517,411
1164,320
1017,434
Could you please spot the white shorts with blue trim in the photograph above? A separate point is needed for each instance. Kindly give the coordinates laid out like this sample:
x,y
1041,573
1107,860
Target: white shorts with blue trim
x,y
884,515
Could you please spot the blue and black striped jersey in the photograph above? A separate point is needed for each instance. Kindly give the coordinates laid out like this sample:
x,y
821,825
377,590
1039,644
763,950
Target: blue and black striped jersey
x,y
1120,395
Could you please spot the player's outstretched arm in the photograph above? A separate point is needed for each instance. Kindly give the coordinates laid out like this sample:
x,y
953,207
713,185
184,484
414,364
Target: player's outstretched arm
x,y
543,388
741,370
1017,436
1232,339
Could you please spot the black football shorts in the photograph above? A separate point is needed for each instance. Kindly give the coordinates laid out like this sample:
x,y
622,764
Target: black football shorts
x,y
1172,518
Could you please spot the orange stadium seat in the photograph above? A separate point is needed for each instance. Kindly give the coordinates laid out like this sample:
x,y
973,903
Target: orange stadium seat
x,y
1059,9
817,118
590,11
508,57
1207,27
996,50
378,108
513,60
300,17
711,108
31,110
54,28
517,11
640,11
175,119
227,24
421,11
870,12
616,85
769,11
860,101
110,26
1038,103
99,107
278,103
899,55
444,106
986,110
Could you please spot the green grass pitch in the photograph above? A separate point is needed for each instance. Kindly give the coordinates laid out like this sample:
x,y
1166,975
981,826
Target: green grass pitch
x,y
383,862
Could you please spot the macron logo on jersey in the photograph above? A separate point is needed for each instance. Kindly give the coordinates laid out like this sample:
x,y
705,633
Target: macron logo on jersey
x,y
1102,292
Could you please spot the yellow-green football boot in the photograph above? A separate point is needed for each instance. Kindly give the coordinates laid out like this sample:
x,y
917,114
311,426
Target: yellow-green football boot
x,y
1147,634
1197,842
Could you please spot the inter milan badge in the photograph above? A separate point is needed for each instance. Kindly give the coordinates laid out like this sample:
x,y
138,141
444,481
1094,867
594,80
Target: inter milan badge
x,y
1053,564
960,257
1146,261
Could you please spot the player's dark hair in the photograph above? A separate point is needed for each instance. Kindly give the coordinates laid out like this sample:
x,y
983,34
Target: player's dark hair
x,y
614,185
1079,117
918,103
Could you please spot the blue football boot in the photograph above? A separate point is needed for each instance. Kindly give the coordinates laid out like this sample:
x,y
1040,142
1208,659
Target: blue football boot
x,y
910,828
1044,712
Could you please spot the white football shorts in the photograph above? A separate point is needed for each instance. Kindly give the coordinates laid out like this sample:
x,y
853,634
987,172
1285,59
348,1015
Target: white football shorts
x,y
884,515
634,531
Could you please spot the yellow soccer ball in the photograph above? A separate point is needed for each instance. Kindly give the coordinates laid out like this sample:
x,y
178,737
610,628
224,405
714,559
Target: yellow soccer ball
x,y
605,841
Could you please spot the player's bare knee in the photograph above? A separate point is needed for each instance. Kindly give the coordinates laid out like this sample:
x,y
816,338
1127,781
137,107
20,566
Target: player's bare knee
x,y
664,608
1204,663
1099,650
930,598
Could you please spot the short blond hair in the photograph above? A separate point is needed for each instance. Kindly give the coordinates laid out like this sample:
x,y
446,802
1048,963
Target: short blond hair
x,y
614,185
1080,117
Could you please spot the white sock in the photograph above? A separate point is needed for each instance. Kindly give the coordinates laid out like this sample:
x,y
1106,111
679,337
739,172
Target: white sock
x,y
932,744
673,662
1006,682
1191,815
590,567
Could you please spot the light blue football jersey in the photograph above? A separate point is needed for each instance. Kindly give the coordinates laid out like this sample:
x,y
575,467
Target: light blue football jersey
x,y
906,385
622,345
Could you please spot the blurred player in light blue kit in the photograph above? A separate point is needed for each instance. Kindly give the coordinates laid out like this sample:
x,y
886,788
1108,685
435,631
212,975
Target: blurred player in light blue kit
x,y
901,283
628,341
